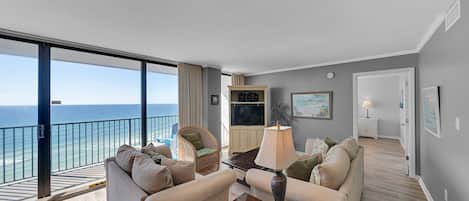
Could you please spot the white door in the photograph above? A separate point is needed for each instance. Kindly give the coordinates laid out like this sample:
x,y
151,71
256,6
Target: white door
x,y
404,116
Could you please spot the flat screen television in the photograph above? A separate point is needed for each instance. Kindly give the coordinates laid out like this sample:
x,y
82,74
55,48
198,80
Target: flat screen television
x,y
247,114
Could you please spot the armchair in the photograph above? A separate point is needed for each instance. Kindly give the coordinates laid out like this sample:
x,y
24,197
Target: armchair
x,y
188,152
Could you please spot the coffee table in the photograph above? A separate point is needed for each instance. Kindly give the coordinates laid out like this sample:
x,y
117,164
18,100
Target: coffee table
x,y
247,197
244,162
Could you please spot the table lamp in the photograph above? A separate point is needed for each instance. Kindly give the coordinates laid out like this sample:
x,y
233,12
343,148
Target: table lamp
x,y
367,104
277,152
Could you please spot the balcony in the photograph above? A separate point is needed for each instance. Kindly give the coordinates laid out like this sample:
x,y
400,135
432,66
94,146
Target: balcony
x,y
78,150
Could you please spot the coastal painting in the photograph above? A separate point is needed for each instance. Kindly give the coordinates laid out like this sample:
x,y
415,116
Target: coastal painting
x,y
431,110
313,105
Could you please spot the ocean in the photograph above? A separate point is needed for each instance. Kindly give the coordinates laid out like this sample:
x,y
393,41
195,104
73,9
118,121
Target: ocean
x,y
81,135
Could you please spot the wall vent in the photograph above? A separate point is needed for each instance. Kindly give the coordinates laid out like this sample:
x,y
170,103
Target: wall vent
x,y
453,14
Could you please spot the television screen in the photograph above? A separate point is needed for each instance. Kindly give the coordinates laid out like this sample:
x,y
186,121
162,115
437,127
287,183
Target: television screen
x,y
247,114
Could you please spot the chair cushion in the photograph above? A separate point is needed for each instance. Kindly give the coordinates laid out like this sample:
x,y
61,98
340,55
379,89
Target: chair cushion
x,y
301,169
125,157
181,171
333,170
194,139
205,151
350,145
149,176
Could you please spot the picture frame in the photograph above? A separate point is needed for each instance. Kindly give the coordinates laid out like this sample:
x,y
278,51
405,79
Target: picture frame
x,y
312,105
214,99
431,110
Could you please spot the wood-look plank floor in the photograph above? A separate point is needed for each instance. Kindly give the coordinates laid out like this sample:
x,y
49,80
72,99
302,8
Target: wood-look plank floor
x,y
385,173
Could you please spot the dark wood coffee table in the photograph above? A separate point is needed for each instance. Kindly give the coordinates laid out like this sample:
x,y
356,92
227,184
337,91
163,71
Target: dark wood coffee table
x,y
244,162
247,197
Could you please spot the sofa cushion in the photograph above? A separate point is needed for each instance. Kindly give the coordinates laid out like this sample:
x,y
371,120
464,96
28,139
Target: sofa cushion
x,y
301,169
158,148
333,170
194,139
350,145
205,151
330,142
125,157
314,146
181,171
149,176
156,157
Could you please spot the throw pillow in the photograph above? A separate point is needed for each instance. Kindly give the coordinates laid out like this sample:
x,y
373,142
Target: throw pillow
x,y
314,146
125,157
194,139
159,148
156,157
149,176
350,145
181,171
301,169
332,172
330,142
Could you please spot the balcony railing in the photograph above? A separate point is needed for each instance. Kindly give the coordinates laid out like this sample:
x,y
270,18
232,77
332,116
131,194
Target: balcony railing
x,y
76,144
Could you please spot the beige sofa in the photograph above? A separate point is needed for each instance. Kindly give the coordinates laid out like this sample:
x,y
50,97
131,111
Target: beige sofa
x,y
298,190
213,187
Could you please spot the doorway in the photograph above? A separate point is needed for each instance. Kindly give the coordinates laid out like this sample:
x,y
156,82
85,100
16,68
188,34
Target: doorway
x,y
366,115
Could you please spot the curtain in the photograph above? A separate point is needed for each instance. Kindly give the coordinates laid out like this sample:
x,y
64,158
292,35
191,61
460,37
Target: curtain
x,y
190,95
237,79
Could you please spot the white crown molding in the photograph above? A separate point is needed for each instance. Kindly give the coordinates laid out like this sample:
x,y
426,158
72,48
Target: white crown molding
x,y
400,53
425,189
430,31
439,19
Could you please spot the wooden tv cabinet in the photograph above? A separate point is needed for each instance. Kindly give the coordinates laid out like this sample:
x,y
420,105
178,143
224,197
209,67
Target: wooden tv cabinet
x,y
247,137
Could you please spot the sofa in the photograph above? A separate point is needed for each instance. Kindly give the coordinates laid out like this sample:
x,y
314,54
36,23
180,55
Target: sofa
x,y
298,190
213,187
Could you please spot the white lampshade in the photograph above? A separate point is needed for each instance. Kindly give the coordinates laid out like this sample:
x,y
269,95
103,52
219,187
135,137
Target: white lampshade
x,y
367,104
277,151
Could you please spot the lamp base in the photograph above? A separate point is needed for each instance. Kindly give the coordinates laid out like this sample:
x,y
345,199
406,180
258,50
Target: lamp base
x,y
279,186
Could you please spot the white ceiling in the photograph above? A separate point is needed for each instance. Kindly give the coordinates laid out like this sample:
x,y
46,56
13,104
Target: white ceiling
x,y
248,36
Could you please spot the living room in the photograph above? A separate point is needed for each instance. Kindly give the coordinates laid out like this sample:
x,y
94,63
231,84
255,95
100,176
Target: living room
x,y
213,101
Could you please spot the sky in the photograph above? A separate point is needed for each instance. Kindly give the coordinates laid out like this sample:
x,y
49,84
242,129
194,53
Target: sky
x,y
81,84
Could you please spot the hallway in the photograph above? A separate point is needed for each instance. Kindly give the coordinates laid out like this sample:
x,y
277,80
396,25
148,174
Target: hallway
x,y
385,173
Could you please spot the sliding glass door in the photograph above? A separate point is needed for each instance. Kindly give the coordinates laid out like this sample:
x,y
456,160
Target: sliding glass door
x,y
18,118
64,110
162,105
95,109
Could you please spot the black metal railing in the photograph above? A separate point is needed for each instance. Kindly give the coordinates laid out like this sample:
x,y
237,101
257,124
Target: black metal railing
x,y
76,144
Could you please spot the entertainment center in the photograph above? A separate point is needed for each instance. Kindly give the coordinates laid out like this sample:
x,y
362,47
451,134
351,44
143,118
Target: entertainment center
x,y
248,117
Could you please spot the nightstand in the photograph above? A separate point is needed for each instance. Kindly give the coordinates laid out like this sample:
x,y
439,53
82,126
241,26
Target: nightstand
x,y
368,127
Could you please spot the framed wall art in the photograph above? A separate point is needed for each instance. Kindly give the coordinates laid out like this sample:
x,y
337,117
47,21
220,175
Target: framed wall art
x,y
313,105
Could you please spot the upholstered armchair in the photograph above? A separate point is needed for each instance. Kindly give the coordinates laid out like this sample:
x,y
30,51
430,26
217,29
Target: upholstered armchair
x,y
203,158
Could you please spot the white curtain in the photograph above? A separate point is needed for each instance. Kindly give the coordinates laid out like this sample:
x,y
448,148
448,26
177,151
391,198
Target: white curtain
x,y
190,95
237,79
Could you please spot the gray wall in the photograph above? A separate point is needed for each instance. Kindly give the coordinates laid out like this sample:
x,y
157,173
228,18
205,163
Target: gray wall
x,y
212,113
314,79
444,62
384,94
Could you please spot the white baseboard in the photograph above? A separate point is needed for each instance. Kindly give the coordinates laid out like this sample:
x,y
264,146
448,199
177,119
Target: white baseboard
x,y
425,189
389,137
